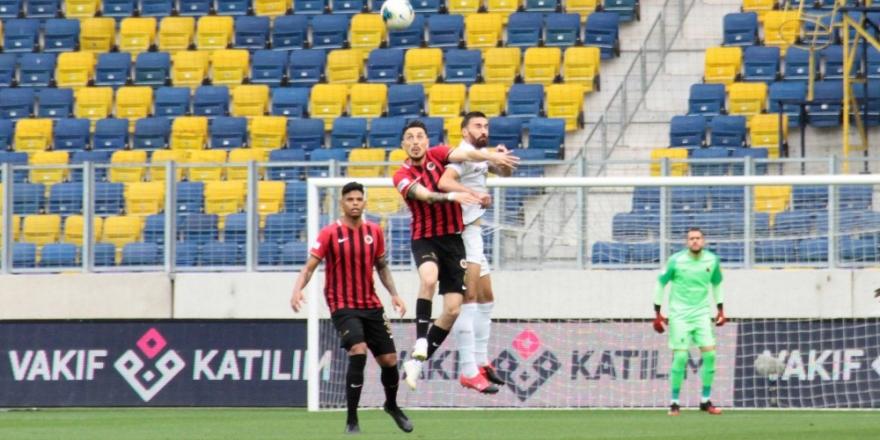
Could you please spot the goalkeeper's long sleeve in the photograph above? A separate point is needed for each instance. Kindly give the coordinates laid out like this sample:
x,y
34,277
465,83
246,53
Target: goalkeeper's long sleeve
x,y
718,294
659,293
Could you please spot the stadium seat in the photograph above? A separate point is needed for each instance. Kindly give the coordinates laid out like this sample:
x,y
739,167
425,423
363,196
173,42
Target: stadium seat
x,y
16,103
58,255
235,229
41,229
97,34
483,31
627,10
435,129
305,134
32,135
348,133
65,199
141,254
367,30
421,7
871,114
832,57
462,66
137,35
49,176
542,65
723,65
109,198
243,156
93,103
601,30
447,100
788,96
202,172
224,198
8,69
609,253
728,131
741,29
172,102
396,157
21,35
328,101
702,167
151,133
445,30
28,198
385,132
761,64
251,32
330,31
687,131
873,63
290,32
423,66
214,32
15,157
360,155
110,134
283,227
562,30
811,198
211,101
42,9
152,69
325,159
60,35
344,66
505,131
548,135
228,132
294,198
113,69
186,254
154,229
156,8
144,198
764,132
230,67
414,35
274,8
307,66
176,34
826,108
52,103
286,172
268,133
71,134
797,65
501,65
81,9
384,201
35,69
121,230
504,7
677,161
385,66
747,99
75,69
270,199
581,66
189,133
488,99
772,199
134,103
759,7
781,28
291,102
525,29
349,7
250,100
189,68
191,199
128,166
463,7
195,8
97,157
525,101
368,100
11,8
159,160
269,67
406,100
566,101
758,153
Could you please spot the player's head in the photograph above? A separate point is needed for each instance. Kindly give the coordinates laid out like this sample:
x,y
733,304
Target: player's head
x,y
695,240
475,129
414,139
353,200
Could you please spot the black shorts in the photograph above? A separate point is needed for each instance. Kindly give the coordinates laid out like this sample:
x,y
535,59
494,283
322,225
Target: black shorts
x,y
447,251
364,325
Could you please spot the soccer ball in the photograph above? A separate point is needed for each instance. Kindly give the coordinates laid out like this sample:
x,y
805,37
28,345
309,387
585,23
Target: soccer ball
x,y
767,365
397,14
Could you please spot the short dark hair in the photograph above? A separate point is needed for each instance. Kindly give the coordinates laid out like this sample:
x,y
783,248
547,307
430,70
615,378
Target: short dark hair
x,y
415,123
696,229
352,186
471,115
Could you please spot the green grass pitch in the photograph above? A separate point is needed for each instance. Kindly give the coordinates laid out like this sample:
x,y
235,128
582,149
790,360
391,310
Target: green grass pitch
x,y
217,424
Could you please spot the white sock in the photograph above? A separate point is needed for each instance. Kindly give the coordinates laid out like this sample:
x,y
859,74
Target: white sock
x,y
463,329
482,331
704,399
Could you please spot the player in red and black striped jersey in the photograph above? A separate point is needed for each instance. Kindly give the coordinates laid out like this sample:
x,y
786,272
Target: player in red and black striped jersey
x,y
351,248
436,228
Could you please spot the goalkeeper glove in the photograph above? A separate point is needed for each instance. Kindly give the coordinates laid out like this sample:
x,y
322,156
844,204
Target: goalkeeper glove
x,y
659,322
720,319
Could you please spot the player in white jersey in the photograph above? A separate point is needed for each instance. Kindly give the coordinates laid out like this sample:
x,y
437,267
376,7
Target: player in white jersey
x,y
472,328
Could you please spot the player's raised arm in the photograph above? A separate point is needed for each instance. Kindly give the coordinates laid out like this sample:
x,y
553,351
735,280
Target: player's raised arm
x,y
450,182
418,192
305,275
498,159
498,170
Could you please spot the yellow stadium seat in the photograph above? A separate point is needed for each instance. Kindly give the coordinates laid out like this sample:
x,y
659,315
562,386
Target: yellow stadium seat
x,y
122,230
137,34
772,199
447,100
504,8
270,198
764,132
490,99
501,65
482,31
423,66
781,28
452,127
189,133
366,155
582,7
383,201
33,135
160,158
74,69
93,103
760,7
73,229
243,156
230,67
367,31
464,7
49,176
566,101
677,161
396,157
128,166
214,32
81,8
176,33
224,198
213,161
250,100
328,101
344,66
133,103
189,68
747,99
722,65
368,100
144,198
97,34
581,66
268,132
42,229
542,65
272,8
16,225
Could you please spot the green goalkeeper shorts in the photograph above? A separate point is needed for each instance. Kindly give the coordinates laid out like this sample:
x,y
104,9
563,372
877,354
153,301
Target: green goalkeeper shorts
x,y
686,332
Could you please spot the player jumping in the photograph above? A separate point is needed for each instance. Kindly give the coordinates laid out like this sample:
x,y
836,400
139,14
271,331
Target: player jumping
x,y
352,247
691,272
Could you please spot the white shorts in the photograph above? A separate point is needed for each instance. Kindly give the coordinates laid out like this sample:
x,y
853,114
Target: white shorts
x,y
473,246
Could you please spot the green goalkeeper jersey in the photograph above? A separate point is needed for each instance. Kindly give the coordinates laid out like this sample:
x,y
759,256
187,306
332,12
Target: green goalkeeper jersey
x,y
691,279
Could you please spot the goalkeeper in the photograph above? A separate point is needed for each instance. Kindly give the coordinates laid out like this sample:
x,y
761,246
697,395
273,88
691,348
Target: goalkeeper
x,y
691,272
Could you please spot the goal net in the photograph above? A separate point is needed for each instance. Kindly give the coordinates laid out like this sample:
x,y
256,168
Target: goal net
x,y
574,263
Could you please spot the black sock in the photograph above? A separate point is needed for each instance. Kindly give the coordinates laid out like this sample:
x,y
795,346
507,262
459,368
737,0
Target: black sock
x,y
354,383
390,379
436,336
423,317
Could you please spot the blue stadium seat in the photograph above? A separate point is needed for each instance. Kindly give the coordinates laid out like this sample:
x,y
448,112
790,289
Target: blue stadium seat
x,y
16,103
310,7
855,197
702,168
761,63
10,8
445,30
872,116
562,29
290,32
646,199
233,7
820,32
113,69
325,155
71,134
235,229
525,29
873,63
60,35
294,253
55,103
7,129
741,29
292,102
42,8
330,31
21,35
110,134
788,97
525,101
172,101
24,255
156,8
644,253
505,131
755,153
348,6
542,5
104,254
729,252
268,254
119,9
154,229
813,250
793,223
28,198
688,199
251,32
406,100
151,133
305,134
809,198
526,155
12,157
141,254
228,132
36,69
348,133
186,253
435,129
194,8
284,227
602,31
462,66
211,101
610,253
385,66
797,65
728,131
286,172
628,10
719,224
426,7
858,249
687,131
8,63
294,198
190,197
269,67
411,37
827,105
94,156
59,255
547,134
634,226
307,66
385,132
832,57
109,198
152,69
197,228
707,100
65,199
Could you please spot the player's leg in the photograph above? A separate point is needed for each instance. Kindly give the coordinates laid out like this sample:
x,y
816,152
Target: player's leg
x,y
704,337
453,265
425,255
377,330
483,325
679,341
463,330
350,328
